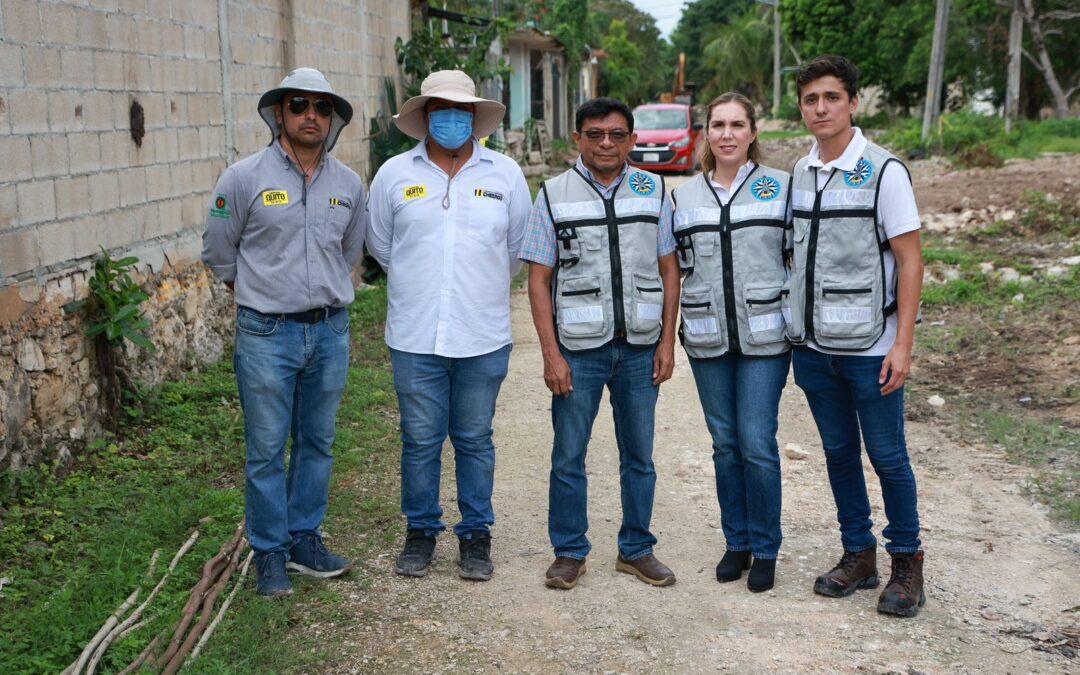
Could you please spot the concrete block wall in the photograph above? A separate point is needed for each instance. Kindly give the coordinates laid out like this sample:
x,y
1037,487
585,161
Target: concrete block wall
x,y
73,178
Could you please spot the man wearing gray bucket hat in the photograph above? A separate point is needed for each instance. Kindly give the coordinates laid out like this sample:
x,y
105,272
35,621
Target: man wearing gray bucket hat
x,y
285,227
446,221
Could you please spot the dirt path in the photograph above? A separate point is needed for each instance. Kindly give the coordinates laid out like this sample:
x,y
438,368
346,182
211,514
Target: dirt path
x,y
994,564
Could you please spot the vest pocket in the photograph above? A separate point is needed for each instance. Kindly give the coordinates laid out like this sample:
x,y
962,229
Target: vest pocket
x,y
648,297
845,308
583,311
701,319
764,316
791,307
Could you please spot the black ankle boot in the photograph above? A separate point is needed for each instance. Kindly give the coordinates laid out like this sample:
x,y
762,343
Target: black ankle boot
x,y
762,574
731,566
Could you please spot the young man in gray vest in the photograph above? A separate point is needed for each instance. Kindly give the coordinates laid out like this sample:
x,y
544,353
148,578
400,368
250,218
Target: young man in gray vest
x,y
604,288
285,227
852,306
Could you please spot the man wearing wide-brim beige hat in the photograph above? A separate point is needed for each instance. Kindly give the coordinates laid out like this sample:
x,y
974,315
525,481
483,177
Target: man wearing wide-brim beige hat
x,y
446,223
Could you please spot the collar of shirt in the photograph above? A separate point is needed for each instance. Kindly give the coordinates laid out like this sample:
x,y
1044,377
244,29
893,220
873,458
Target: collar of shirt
x,y
606,190
740,176
846,161
289,160
479,153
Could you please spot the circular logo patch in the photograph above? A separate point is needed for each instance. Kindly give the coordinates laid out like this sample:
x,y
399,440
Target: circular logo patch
x,y
642,184
765,188
219,202
863,170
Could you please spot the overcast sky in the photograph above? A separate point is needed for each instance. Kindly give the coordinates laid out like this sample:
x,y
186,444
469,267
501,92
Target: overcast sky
x,y
666,12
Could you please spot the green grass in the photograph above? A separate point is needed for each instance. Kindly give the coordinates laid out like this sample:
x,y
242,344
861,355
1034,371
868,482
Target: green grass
x,y
1048,447
75,548
965,135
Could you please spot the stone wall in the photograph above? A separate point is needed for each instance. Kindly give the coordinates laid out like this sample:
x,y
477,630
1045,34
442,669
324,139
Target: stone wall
x,y
116,117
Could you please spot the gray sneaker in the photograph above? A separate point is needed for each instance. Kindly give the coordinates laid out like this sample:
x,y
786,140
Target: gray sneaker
x,y
309,556
272,580
474,556
418,554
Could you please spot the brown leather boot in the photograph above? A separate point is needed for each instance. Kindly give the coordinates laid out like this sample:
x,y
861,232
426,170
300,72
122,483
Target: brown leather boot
x,y
854,571
903,595
647,568
564,573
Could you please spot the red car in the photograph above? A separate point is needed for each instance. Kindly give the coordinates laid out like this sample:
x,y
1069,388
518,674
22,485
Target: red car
x,y
667,137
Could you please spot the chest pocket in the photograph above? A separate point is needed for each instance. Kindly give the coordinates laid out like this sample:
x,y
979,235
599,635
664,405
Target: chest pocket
x,y
332,228
486,217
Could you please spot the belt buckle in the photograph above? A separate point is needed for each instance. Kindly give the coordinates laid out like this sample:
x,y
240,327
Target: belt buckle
x,y
317,315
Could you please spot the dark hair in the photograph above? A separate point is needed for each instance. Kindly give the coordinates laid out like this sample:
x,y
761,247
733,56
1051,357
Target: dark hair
x,y
602,107
829,64
705,155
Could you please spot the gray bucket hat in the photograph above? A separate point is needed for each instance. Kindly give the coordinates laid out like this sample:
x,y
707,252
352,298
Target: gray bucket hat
x,y
306,79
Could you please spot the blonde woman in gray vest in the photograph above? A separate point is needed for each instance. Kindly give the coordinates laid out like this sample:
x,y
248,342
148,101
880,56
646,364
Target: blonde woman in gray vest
x,y
730,223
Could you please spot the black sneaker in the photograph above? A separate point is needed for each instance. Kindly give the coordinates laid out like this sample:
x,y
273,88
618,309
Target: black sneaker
x,y
418,554
272,580
309,556
474,556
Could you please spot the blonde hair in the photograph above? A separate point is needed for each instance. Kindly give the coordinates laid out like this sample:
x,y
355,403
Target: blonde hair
x,y
705,155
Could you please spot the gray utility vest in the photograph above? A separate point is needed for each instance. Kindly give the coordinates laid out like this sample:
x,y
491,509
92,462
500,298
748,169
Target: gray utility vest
x,y
732,258
607,282
837,287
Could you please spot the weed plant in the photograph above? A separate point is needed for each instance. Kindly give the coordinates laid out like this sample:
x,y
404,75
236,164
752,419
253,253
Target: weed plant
x,y
980,140
73,549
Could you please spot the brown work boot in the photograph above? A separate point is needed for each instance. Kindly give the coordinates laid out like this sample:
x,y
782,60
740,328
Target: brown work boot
x,y
854,571
564,573
648,569
903,595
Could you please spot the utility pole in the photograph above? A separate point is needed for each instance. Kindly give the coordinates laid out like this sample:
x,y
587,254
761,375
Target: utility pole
x,y
775,4
937,67
776,61
1012,87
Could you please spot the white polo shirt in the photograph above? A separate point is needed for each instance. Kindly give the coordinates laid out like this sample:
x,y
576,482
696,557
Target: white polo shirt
x,y
448,268
897,214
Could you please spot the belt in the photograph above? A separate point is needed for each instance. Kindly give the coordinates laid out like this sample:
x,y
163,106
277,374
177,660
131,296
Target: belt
x,y
312,315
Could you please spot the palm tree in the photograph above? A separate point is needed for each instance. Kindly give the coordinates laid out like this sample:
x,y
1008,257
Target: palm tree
x,y
740,55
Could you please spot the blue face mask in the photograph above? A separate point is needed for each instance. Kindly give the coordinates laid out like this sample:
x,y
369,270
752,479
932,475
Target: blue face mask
x,y
451,127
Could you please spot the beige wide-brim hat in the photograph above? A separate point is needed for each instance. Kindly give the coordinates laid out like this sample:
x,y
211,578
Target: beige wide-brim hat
x,y
449,85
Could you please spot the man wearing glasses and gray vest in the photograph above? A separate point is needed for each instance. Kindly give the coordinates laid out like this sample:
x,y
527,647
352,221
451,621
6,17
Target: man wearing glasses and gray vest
x,y
604,288
285,227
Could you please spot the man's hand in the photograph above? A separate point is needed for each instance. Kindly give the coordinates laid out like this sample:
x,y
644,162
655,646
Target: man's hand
x,y
896,367
557,375
663,362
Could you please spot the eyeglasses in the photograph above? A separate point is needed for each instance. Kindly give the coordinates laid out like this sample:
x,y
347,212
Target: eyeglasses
x,y
298,105
597,135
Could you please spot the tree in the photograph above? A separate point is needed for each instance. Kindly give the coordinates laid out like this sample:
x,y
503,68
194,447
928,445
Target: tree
x,y
619,73
698,25
1048,24
659,65
740,55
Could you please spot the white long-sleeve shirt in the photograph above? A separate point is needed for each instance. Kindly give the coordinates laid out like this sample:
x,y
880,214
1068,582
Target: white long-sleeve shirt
x,y
448,269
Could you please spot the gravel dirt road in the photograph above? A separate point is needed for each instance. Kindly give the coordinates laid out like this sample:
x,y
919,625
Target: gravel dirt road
x,y
1003,583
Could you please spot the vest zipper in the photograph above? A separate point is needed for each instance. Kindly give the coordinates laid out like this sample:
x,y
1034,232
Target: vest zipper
x,y
618,309
734,343
811,257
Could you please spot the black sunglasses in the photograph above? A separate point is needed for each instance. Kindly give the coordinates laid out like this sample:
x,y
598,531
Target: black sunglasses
x,y
298,105
597,135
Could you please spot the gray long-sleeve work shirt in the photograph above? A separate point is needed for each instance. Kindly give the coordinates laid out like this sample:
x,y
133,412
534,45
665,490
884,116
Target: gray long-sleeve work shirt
x,y
287,247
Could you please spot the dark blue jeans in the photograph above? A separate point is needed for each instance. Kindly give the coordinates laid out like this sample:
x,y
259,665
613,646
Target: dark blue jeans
x,y
440,396
845,398
626,370
291,377
740,396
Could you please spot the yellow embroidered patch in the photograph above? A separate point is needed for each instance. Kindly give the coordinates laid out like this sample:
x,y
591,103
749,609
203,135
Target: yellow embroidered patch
x,y
275,198
415,192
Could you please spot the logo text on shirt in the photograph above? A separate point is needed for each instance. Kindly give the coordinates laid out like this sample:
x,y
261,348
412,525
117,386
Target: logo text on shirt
x,y
415,192
490,194
338,201
275,198
220,209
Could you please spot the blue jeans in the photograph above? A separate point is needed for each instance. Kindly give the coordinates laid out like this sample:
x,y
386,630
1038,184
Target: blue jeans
x,y
740,396
845,397
291,377
626,370
440,396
